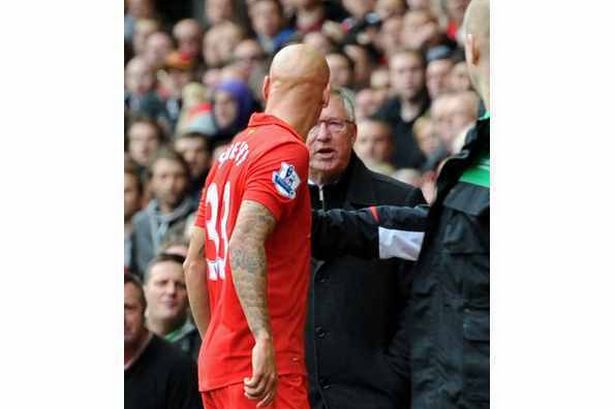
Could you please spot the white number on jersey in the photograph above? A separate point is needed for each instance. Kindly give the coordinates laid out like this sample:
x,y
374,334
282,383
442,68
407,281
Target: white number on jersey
x,y
217,229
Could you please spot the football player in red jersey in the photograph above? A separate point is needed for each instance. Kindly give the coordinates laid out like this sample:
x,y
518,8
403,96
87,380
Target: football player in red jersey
x,y
247,270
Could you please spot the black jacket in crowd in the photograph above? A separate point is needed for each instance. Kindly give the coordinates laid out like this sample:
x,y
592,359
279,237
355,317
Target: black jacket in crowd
x,y
355,305
406,153
447,318
163,377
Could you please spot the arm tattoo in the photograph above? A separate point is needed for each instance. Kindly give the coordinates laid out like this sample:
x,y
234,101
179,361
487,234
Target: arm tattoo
x,y
249,263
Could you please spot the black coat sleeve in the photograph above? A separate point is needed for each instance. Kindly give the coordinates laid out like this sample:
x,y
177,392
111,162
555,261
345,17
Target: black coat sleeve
x,y
376,232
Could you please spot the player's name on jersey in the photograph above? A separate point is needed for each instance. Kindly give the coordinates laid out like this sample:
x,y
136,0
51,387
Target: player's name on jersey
x,y
238,152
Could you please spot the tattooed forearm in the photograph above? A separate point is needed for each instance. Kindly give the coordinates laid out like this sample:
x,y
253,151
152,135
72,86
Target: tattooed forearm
x,y
249,264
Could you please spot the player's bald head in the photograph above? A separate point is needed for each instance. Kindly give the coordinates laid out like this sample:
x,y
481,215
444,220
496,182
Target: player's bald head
x,y
477,22
299,64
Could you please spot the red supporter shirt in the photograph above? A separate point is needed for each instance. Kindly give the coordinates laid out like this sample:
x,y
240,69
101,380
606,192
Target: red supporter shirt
x,y
266,163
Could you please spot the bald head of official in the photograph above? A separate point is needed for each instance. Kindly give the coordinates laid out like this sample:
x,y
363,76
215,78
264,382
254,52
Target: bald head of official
x,y
296,88
477,48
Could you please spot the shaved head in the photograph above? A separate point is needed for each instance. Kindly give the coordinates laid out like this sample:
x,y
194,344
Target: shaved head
x,y
477,22
477,48
286,69
296,88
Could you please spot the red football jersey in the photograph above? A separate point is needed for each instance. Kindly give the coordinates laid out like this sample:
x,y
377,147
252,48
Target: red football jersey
x,y
266,163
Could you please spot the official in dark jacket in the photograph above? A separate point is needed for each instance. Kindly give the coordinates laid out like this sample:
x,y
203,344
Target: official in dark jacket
x,y
354,305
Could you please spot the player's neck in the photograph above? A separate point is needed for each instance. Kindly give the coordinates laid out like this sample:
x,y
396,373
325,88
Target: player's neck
x,y
297,120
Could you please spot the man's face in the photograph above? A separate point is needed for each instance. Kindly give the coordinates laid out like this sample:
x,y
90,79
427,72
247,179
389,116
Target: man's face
x,y
188,36
266,18
330,141
169,182
341,74
157,46
437,76
459,80
142,142
132,196
134,322
247,56
373,142
165,292
407,75
195,153
139,77
419,29
225,109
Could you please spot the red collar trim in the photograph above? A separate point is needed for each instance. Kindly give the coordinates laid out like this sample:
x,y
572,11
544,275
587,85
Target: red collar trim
x,y
261,119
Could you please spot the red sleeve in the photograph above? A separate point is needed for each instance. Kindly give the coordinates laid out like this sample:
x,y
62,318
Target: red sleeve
x,y
274,179
199,220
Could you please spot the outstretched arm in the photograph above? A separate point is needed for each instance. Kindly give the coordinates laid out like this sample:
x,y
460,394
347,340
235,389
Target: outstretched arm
x,y
376,232
249,270
195,271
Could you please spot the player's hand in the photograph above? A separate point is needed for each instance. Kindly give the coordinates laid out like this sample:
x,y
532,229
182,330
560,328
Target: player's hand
x,y
264,381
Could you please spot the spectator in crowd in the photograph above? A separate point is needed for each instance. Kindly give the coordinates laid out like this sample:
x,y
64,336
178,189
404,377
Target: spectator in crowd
x,y
374,145
389,40
177,242
437,76
454,10
268,23
193,145
217,11
156,374
143,29
233,103
158,45
380,83
144,138
194,102
459,80
362,64
426,138
366,104
170,206
311,15
354,305
188,36
421,31
219,43
386,9
177,72
140,97
342,69
409,102
167,303
133,193
136,10
250,59
453,114
319,41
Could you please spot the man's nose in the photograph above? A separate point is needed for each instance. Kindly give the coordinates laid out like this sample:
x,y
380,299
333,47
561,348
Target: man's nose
x,y
323,133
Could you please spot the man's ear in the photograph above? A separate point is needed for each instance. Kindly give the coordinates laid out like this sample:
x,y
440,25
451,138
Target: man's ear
x,y
265,88
471,50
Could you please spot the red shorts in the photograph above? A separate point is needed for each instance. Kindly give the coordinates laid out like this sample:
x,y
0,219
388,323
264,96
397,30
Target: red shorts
x,y
291,394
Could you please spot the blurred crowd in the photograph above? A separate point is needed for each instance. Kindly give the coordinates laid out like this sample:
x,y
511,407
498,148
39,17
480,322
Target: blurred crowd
x,y
193,76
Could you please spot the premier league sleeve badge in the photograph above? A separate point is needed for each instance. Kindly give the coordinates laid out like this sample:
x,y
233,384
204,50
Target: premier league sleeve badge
x,y
286,180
